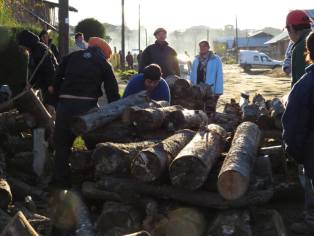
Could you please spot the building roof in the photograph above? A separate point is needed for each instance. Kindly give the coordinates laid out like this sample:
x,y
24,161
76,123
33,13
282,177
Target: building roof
x,y
310,13
282,36
54,4
260,33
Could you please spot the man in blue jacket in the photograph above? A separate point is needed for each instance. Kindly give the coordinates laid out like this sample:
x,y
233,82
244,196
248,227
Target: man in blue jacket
x,y
151,81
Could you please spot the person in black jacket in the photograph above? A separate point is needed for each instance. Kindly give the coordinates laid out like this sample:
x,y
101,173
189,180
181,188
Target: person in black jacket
x,y
44,38
298,135
78,85
160,53
44,76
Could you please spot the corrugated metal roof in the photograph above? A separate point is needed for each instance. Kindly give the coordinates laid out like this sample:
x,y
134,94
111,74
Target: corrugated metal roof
x,y
282,36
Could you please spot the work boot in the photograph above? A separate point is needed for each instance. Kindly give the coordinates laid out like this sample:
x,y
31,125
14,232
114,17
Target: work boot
x,y
302,228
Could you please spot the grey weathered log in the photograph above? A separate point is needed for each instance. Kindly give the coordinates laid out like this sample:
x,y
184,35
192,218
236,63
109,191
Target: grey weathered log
x,y
13,144
14,122
107,113
22,161
152,118
149,164
22,189
19,225
5,194
197,198
181,88
250,112
128,112
91,192
276,156
234,176
191,166
276,111
186,119
118,217
228,121
272,134
4,219
116,158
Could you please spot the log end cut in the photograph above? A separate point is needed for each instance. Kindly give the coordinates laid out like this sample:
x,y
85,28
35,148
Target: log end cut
x,y
5,194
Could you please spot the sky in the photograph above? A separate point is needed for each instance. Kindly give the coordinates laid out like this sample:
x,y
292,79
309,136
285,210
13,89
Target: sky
x,y
182,14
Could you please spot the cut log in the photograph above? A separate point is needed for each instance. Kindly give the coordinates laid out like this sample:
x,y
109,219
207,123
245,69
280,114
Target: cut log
x,y
181,88
250,112
228,121
191,166
152,118
107,113
234,176
91,192
276,156
151,163
13,122
128,112
272,134
22,161
118,216
115,158
19,225
196,198
186,119
5,194
13,144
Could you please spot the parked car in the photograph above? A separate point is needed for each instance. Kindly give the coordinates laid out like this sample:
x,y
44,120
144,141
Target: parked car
x,y
254,59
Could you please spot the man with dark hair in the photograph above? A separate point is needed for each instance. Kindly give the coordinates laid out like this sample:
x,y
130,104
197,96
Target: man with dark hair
x,y
151,81
298,25
160,53
44,38
43,64
80,43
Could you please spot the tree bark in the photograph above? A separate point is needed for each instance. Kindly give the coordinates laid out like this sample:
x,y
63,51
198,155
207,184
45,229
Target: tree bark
x,y
191,166
19,225
152,118
115,158
250,112
106,114
186,119
228,121
149,164
234,176
196,198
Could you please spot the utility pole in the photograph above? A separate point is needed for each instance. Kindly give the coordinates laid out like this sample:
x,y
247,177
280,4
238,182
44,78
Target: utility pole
x,y
207,34
139,27
236,39
145,37
122,37
63,27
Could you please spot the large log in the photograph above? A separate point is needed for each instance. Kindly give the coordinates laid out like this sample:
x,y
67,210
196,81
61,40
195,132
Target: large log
x,y
250,112
91,192
120,218
152,118
276,156
13,144
13,122
276,111
149,164
115,158
186,119
22,161
107,113
196,198
191,166
228,121
128,112
234,176
181,88
19,225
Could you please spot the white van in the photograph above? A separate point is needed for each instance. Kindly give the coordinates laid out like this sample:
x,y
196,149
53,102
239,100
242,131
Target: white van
x,y
254,59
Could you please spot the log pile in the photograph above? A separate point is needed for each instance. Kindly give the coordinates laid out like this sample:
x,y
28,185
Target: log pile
x,y
145,162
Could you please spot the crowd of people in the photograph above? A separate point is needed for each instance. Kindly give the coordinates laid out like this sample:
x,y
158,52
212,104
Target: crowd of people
x,y
72,85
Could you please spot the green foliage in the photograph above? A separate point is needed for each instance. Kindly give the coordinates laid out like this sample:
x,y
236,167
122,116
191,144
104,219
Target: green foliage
x,y
13,59
79,144
5,16
91,27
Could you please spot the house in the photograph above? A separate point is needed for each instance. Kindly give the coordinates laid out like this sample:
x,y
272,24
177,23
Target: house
x,y
279,43
35,12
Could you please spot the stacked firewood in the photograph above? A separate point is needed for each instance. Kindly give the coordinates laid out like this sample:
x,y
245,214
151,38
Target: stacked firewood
x,y
146,162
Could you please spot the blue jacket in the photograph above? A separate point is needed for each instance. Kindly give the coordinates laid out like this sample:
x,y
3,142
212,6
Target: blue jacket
x,y
136,85
298,122
214,74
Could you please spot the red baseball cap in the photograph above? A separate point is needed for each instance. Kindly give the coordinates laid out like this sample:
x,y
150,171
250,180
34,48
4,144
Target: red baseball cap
x,y
297,17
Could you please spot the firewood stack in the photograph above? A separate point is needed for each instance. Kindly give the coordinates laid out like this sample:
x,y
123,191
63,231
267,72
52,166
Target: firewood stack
x,y
146,162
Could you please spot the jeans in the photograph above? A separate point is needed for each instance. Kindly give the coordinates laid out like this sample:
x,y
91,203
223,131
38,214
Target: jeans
x,y
67,109
309,201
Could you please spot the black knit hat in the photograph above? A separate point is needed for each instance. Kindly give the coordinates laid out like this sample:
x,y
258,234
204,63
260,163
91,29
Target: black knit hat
x,y
152,72
27,39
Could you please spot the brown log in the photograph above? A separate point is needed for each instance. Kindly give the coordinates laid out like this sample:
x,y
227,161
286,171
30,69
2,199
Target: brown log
x,y
186,119
115,158
234,176
107,113
22,161
13,122
91,192
19,225
196,198
277,157
181,88
13,144
228,121
118,217
272,134
149,164
128,112
152,118
191,166
5,194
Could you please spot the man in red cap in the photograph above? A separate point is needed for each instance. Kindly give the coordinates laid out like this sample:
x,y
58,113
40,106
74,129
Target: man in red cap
x,y
161,54
298,25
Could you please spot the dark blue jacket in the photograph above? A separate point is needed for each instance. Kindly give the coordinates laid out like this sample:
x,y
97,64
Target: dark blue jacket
x,y
136,85
298,122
